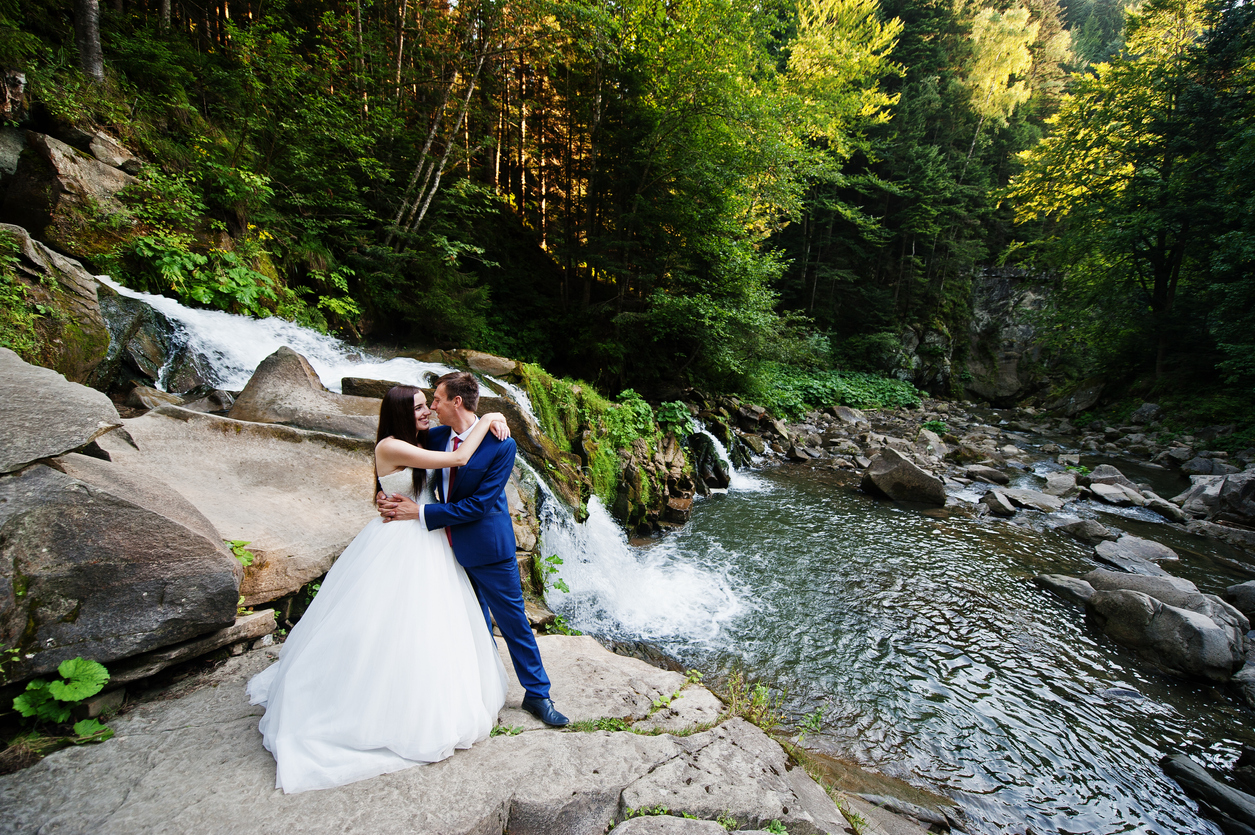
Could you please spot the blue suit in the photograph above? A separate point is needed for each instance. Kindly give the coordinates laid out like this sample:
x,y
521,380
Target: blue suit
x,y
478,517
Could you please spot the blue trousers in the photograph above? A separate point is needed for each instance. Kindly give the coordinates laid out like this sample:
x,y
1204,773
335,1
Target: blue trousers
x,y
499,591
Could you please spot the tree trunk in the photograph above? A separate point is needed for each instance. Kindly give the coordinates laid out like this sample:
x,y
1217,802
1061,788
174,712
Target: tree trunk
x,y
87,38
165,15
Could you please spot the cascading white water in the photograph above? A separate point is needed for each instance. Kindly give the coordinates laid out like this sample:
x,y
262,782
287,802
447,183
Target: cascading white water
x,y
624,592
737,479
235,345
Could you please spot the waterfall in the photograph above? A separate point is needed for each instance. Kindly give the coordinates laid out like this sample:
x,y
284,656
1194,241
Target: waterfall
x,y
737,479
233,346
635,593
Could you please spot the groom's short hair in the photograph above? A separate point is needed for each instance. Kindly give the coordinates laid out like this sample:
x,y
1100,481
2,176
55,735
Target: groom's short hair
x,y
461,384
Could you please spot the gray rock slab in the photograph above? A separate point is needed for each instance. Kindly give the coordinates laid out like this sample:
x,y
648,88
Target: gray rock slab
x,y
1237,537
285,389
1176,639
43,415
191,760
668,825
1117,495
1242,596
1088,531
1032,499
1202,499
1175,591
1233,809
246,627
979,472
998,504
1061,485
297,497
892,475
1137,548
1237,499
695,707
738,771
1072,589
1244,680
1107,474
105,564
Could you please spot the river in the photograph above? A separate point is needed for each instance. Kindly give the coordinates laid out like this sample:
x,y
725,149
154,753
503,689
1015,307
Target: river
x,y
923,642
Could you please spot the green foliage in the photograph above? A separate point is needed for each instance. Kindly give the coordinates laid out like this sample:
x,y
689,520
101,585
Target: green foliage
x,y
559,626
674,417
52,701
938,426
790,391
546,568
812,722
506,730
776,827
241,553
631,418
753,702
18,313
727,822
90,730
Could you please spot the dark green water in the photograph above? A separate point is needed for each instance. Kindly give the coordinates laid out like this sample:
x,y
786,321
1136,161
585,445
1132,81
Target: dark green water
x,y
924,642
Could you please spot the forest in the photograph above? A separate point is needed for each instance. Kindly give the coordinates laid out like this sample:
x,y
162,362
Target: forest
x,y
740,197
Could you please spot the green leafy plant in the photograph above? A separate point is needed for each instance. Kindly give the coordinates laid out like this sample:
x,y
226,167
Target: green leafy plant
x,y
776,827
52,701
506,730
727,822
812,722
547,567
8,657
938,426
674,417
1080,470
241,553
561,627
754,703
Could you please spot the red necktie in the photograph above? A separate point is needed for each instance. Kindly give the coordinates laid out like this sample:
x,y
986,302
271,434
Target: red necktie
x,y
453,471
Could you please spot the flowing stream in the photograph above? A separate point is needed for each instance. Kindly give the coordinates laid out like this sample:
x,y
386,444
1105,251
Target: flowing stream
x,y
924,644
919,639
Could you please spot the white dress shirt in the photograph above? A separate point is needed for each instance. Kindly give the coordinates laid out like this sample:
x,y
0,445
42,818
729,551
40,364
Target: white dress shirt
x,y
444,473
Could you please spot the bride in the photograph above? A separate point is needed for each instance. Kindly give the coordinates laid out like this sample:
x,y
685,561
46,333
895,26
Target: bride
x,y
391,665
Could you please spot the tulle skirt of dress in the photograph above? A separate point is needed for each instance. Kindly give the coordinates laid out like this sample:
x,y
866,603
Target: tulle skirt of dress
x,y
392,665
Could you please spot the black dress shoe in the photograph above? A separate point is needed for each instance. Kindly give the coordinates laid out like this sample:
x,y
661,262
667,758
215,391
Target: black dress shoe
x,y
544,710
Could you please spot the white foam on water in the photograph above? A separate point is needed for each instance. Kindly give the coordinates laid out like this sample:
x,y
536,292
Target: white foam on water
x,y
740,480
235,345
518,396
618,590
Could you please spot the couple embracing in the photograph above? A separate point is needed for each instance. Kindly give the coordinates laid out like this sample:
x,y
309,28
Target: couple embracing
x,y
394,662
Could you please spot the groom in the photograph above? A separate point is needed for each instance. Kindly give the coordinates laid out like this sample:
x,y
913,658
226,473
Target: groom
x,y
476,518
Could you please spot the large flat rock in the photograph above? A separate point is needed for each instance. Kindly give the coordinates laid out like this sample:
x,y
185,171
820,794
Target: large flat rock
x,y
285,389
43,415
192,761
298,497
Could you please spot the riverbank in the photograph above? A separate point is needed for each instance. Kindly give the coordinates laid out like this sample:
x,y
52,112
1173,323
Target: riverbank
x,y
644,742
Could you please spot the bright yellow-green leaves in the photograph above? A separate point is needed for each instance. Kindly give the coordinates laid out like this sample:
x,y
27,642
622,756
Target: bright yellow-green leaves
x,y
1001,61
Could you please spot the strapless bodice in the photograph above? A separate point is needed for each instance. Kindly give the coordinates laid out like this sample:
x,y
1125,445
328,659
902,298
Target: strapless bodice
x,y
402,482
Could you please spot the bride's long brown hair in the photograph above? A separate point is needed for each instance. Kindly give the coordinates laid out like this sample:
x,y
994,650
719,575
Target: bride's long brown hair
x,y
396,420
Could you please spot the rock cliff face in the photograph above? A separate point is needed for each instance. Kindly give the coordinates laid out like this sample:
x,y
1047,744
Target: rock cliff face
x,y
1003,352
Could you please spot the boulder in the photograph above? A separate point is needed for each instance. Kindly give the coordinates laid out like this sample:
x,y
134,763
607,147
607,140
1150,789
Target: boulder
x,y
1146,413
1237,499
43,415
146,397
1088,531
1072,589
1237,537
1242,597
58,191
1177,639
1134,555
103,147
12,141
489,364
297,497
1082,396
930,443
1232,809
1062,485
754,442
1175,591
850,417
147,348
709,468
74,336
1107,474
998,504
893,476
285,389
1207,466
215,401
1166,509
1032,499
1117,495
1244,680
1202,499
989,475
362,387
104,562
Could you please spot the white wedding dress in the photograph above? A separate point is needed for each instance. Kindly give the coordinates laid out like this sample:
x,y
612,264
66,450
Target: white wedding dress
x,y
392,664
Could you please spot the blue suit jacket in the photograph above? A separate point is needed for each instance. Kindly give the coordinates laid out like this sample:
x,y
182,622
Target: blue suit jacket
x,y
476,511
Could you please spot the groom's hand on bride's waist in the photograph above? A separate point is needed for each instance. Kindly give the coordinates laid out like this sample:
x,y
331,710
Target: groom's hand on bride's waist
x,y
396,508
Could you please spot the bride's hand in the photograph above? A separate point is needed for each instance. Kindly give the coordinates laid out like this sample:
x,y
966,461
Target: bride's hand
x,y
498,425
